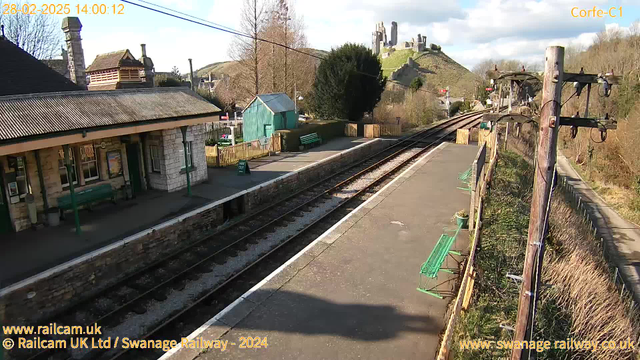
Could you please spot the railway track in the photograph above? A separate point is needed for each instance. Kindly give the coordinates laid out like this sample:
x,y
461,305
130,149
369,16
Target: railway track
x,y
202,278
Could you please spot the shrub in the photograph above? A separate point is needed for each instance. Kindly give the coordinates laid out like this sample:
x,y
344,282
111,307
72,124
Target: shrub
x,y
348,83
326,129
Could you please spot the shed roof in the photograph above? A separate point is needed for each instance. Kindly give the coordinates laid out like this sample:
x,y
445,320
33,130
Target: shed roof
x,y
49,113
276,103
24,74
114,60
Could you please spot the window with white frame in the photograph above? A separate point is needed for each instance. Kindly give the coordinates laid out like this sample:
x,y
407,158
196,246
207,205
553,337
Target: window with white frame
x,y
189,156
89,162
64,175
154,152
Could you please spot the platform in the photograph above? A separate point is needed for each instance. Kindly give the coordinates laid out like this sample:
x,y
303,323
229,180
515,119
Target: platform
x,y
29,252
352,293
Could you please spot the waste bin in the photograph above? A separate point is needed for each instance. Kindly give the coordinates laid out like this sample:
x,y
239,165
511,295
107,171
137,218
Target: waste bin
x,y
53,216
31,207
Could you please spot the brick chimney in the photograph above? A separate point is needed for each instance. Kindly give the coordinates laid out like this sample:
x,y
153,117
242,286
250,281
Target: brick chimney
x,y
71,27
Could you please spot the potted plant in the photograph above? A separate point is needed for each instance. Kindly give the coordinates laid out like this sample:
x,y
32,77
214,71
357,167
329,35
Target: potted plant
x,y
462,218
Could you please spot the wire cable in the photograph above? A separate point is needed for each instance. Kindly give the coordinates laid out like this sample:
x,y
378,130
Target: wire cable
x,y
212,25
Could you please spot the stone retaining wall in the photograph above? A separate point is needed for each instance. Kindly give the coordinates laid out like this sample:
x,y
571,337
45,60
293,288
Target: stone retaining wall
x,y
51,291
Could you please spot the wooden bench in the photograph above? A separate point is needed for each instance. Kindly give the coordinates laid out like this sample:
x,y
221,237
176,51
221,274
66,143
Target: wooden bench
x,y
224,142
87,197
310,139
433,265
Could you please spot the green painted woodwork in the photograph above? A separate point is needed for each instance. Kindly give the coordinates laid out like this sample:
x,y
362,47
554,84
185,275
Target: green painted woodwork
x,y
310,139
133,163
432,266
243,167
257,118
87,196
5,219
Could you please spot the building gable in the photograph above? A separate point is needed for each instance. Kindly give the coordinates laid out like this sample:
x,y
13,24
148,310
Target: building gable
x,y
24,74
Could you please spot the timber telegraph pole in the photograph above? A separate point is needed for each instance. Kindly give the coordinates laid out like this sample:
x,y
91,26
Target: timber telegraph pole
x,y
544,172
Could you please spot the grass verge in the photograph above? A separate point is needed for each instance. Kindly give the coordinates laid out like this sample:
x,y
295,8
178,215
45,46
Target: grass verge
x,y
578,301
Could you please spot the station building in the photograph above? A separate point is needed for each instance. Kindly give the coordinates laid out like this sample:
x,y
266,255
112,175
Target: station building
x,y
131,140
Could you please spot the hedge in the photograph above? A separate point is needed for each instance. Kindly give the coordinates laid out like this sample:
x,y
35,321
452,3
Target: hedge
x,y
326,129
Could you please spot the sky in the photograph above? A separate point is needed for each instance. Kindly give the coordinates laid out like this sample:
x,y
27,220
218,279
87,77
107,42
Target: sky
x,y
469,31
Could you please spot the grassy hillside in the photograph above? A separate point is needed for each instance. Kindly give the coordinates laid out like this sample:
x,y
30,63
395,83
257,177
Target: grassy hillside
x,y
611,167
218,68
231,67
437,70
395,60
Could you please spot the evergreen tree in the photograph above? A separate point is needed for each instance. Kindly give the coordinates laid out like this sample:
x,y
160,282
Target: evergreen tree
x,y
348,83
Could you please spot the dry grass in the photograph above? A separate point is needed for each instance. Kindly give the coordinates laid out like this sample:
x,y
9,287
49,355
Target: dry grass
x,y
414,109
582,285
582,302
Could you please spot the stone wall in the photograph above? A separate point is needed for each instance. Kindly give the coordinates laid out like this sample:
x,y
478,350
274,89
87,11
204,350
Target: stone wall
x,y
174,157
51,177
42,295
157,180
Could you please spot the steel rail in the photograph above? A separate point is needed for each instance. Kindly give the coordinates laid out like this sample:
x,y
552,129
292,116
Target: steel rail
x,y
409,142
304,229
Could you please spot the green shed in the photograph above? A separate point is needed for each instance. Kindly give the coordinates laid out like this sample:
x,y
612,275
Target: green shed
x,y
267,113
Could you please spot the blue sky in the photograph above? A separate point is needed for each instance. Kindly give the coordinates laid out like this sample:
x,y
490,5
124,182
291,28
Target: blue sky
x,y
468,30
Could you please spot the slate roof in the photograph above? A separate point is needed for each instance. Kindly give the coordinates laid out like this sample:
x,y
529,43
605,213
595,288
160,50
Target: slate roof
x,y
278,102
113,60
21,73
25,116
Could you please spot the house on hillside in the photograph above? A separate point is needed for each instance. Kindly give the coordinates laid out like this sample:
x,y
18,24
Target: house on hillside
x,y
55,136
120,70
266,114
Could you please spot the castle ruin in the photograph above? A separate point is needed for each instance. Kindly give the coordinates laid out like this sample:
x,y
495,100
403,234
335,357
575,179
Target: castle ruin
x,y
379,40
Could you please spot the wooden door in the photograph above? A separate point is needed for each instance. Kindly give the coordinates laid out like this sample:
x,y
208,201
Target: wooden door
x,y
5,219
133,161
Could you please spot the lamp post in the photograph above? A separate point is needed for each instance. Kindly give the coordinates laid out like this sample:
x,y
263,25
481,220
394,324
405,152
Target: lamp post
x,y
296,98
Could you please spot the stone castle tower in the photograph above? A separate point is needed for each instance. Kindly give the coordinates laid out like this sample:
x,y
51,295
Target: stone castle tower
x,y
71,27
394,34
379,38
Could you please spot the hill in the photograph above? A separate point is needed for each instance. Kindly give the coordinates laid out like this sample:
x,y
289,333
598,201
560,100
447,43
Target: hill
x,y
436,69
231,67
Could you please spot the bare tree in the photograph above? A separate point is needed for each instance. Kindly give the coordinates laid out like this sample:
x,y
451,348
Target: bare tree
x,y
246,51
37,34
287,69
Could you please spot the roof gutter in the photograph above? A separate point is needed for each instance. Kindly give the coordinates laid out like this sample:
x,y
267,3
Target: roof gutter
x,y
79,135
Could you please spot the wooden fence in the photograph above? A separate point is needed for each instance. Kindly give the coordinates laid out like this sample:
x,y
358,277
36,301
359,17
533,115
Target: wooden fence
x,y
480,180
218,156
216,130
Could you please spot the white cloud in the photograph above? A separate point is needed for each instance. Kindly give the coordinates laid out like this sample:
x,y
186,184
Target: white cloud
x,y
493,28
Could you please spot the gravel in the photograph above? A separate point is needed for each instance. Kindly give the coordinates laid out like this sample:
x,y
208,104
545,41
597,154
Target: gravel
x,y
135,325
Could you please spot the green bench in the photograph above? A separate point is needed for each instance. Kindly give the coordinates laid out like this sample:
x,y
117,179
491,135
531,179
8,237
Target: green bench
x,y
310,139
87,197
433,265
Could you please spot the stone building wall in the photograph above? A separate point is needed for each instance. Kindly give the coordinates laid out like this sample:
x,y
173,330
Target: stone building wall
x,y
54,290
157,179
173,157
51,176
